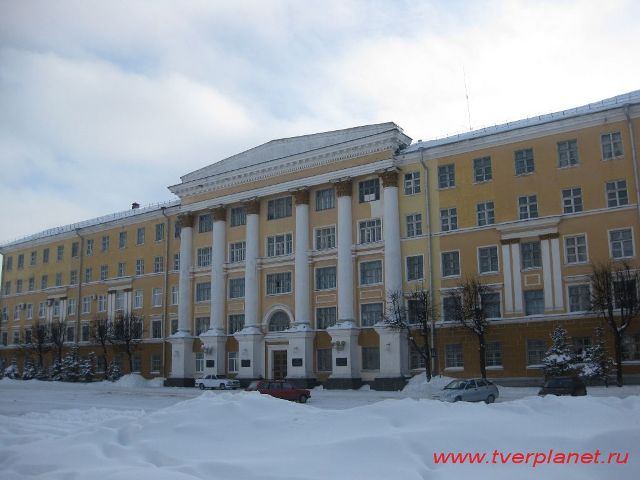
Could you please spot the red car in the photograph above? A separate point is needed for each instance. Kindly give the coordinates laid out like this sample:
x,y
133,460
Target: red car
x,y
280,389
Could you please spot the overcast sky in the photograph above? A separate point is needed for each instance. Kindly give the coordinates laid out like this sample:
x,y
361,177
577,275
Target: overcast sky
x,y
106,103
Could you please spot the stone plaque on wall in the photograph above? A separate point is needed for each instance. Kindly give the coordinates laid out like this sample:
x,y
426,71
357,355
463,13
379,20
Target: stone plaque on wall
x,y
296,362
211,363
245,363
341,361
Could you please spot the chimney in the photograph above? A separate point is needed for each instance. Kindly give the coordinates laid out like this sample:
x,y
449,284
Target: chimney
x,y
135,205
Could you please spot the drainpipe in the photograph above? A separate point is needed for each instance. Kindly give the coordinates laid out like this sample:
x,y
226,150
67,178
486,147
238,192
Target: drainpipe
x,y
165,311
434,358
634,154
80,277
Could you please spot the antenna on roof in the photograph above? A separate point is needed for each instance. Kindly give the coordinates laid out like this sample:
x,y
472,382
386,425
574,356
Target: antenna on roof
x,y
466,95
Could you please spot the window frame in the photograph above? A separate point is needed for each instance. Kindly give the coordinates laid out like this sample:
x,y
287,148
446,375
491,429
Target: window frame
x,y
442,264
482,169
573,236
407,270
280,207
610,242
571,206
364,195
411,183
487,247
360,273
613,155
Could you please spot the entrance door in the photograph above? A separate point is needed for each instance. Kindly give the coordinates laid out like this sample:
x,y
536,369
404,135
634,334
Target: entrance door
x,y
279,364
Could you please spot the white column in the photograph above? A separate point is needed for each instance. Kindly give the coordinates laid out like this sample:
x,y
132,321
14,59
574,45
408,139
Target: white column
x,y
517,277
184,282
128,299
391,233
218,281
345,264
111,305
63,309
302,286
557,274
508,280
547,274
251,285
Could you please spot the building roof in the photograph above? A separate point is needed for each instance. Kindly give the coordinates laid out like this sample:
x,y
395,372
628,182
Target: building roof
x,y
599,106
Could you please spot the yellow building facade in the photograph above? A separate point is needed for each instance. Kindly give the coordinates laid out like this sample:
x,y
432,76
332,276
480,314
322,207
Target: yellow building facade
x,y
277,262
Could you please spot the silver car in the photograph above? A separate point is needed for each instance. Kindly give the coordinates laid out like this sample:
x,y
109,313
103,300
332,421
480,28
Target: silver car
x,y
468,390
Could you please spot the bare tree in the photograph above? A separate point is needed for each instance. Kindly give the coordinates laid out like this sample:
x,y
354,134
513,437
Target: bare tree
x,y
127,335
614,297
417,318
101,333
39,342
469,311
58,335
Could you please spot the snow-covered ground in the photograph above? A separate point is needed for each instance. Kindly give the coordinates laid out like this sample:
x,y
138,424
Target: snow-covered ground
x,y
138,429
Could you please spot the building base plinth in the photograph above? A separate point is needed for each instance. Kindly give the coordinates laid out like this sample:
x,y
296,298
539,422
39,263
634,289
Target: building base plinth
x,y
303,382
390,384
343,383
179,382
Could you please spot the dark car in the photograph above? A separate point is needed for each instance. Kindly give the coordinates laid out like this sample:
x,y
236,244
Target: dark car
x,y
280,389
573,386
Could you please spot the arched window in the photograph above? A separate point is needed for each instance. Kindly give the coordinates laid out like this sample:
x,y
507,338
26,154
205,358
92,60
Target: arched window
x,y
279,321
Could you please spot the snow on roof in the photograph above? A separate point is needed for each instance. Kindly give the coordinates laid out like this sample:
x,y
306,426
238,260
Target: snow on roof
x,y
599,106
92,222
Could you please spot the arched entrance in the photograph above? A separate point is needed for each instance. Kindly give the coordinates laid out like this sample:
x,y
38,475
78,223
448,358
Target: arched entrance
x,y
278,322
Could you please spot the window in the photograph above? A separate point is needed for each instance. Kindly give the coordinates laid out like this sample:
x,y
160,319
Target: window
x,y
42,308
238,216
415,268
279,322
371,272
446,176
104,243
156,295
576,248
631,347
34,258
202,325
203,292
493,354
325,317
174,326
414,225
237,252
84,332
324,359
122,267
174,295
279,208
139,266
488,259
572,200
56,308
621,243
156,363
19,286
278,283
58,279
72,302
158,264
370,358
528,206
325,199
159,230
140,236
16,313
524,161
176,261
485,214
448,219
611,145
279,245
236,287
482,169
122,240
21,261
104,272
88,275
45,255
411,183
625,294
370,314
32,284
138,298
453,356
60,252
232,362
236,323
86,305
5,338
119,301
617,194
415,311
7,288
531,255
536,350
9,263
102,303
370,231
325,278
579,298
71,331
534,302
369,190
177,228
567,153
89,249
44,280
325,238
450,264
490,303
199,362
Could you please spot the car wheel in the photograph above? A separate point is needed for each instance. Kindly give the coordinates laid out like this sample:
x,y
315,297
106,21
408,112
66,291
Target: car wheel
x,y
490,399
201,386
222,386
302,399
457,399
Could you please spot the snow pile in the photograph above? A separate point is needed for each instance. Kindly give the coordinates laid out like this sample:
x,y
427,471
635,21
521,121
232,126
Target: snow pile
x,y
135,380
250,436
418,387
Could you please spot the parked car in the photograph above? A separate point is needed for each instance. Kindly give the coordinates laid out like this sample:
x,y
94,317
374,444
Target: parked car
x,y
280,389
468,390
573,386
220,382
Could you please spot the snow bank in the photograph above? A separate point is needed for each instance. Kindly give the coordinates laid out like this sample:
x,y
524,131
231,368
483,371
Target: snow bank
x,y
419,387
135,380
249,436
